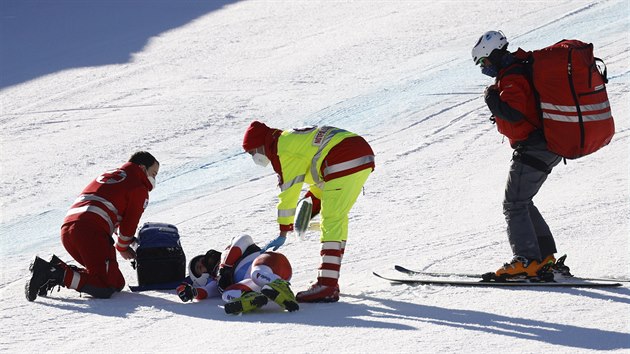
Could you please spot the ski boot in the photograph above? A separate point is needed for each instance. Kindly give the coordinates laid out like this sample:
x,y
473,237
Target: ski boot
x,y
280,292
543,274
319,293
45,276
521,268
55,261
550,259
250,301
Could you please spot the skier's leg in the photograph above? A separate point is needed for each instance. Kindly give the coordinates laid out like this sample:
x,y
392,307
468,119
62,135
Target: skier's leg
x,y
237,249
237,290
524,182
546,243
242,297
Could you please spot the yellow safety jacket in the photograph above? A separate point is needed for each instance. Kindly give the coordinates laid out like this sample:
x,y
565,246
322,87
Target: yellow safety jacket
x,y
301,154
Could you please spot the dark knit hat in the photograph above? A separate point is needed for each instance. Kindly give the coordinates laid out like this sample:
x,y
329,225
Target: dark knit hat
x,y
255,135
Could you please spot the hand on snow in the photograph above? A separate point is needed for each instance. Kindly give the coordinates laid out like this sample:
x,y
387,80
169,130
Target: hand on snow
x,y
186,292
275,243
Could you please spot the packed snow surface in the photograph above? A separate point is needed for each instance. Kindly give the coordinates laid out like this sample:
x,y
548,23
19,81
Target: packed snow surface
x,y
85,84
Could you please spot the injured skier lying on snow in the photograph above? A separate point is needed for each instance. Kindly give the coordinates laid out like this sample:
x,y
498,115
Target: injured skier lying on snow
x,y
242,275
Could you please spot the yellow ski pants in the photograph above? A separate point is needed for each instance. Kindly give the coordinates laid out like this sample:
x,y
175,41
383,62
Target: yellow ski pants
x,y
338,197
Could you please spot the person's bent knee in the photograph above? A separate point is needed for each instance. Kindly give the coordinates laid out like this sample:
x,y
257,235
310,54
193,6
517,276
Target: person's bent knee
x,y
101,293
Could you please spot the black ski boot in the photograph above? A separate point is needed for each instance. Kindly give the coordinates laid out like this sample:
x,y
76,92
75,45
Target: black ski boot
x,y
44,276
55,261
250,301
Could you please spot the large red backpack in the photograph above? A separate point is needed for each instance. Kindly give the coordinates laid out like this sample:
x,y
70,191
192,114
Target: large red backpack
x,y
574,107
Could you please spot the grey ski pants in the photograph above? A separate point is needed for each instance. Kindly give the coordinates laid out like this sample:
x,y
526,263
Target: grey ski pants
x,y
528,233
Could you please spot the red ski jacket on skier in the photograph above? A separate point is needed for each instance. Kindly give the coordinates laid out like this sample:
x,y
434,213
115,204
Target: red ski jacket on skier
x,y
512,102
114,200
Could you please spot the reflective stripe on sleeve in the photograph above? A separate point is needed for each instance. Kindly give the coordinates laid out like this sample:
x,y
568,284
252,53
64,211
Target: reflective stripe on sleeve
x,y
291,183
123,242
283,213
125,238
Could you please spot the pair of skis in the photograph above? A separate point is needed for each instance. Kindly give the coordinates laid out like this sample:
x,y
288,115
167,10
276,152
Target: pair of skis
x,y
437,278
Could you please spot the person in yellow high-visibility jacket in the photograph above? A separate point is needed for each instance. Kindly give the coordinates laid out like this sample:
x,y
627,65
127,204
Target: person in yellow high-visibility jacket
x,y
335,163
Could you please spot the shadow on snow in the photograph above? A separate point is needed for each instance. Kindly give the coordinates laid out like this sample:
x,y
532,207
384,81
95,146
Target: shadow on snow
x,y
43,37
373,313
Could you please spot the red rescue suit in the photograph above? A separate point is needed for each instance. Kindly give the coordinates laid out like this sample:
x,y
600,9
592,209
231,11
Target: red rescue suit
x,y
113,201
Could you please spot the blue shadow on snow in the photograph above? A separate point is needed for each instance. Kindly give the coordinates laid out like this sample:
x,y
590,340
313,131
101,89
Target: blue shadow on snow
x,y
388,314
39,37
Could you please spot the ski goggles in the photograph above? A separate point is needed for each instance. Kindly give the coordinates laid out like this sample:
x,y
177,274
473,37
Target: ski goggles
x,y
484,62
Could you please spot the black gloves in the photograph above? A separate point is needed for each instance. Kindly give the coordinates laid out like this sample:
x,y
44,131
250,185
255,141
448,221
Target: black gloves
x,y
186,292
225,277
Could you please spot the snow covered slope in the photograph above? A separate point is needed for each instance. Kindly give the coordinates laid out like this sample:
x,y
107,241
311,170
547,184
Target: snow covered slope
x,y
85,84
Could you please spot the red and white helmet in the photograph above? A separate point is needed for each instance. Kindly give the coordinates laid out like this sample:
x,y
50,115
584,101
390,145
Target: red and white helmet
x,y
488,42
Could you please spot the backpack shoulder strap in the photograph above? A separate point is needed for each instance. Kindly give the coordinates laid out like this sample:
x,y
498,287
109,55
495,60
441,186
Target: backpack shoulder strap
x,y
515,69
528,72
602,69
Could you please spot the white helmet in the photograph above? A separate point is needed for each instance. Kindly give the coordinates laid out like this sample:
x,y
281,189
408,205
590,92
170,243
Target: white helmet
x,y
488,42
199,280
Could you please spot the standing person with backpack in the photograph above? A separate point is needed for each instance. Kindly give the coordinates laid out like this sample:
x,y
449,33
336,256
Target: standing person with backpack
x,y
512,102
112,203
